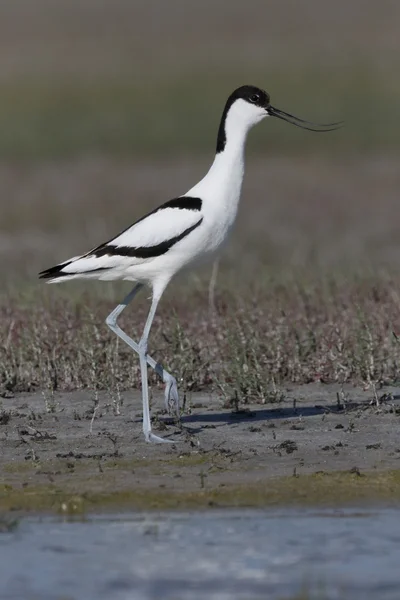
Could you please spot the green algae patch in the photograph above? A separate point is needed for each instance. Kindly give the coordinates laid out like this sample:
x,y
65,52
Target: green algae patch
x,y
18,467
319,489
335,489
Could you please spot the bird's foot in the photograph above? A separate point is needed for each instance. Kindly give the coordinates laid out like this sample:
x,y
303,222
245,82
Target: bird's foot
x,y
171,394
155,439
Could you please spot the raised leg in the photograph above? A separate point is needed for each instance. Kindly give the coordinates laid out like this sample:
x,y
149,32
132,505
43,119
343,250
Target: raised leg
x,y
171,388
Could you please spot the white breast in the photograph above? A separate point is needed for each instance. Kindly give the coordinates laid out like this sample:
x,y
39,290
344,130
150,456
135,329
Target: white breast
x,y
220,192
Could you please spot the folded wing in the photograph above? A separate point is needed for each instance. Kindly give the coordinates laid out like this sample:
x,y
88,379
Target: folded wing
x,y
150,237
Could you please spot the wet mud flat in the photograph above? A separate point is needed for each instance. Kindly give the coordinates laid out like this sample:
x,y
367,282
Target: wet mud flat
x,y
324,444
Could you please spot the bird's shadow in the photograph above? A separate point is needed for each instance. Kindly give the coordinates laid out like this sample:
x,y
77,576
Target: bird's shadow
x,y
231,417
194,423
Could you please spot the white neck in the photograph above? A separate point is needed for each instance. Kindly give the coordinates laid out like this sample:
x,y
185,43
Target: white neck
x,y
223,183
225,176
230,162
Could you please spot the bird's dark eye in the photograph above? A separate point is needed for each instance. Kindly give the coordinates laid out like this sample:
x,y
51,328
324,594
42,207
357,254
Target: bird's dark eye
x,y
254,98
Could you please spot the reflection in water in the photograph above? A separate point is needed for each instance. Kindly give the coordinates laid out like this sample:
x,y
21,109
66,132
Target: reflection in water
x,y
333,554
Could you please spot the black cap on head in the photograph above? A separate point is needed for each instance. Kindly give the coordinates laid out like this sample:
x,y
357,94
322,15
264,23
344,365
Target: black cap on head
x,y
251,94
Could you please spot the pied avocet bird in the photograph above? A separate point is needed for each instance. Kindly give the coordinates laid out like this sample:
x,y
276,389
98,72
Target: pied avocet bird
x,y
179,232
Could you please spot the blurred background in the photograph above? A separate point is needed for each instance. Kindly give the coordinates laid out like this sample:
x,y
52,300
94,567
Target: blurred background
x,y
110,107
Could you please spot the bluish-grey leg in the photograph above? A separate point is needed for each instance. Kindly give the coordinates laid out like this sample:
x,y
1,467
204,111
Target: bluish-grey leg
x,y
171,389
150,437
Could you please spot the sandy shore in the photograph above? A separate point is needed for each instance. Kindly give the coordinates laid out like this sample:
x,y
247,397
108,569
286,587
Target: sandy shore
x,y
314,446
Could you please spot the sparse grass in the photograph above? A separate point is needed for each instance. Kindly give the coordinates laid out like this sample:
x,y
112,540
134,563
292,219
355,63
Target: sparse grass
x,y
320,328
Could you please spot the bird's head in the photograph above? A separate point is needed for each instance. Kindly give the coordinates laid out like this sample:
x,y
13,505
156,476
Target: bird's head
x,y
252,104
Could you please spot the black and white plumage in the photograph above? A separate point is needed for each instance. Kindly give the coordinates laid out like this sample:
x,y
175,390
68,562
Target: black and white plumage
x,y
179,232
150,237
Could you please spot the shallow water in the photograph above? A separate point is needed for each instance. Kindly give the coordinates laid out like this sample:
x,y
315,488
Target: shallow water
x,y
218,555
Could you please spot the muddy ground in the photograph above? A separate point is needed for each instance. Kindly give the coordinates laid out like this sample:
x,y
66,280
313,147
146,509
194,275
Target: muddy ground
x,y
323,443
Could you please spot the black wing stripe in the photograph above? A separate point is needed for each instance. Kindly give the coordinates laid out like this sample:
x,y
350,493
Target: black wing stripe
x,y
182,203
144,251
54,271
57,272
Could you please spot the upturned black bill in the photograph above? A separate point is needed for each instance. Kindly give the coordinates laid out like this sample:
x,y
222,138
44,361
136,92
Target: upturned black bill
x,y
280,114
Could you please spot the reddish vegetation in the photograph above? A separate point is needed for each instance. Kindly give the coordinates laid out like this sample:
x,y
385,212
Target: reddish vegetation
x,y
324,329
